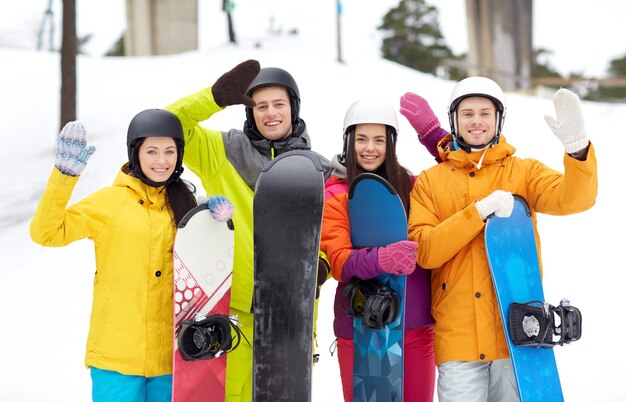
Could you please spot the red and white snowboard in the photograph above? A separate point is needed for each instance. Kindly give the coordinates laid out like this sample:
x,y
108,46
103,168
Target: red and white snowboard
x,y
203,266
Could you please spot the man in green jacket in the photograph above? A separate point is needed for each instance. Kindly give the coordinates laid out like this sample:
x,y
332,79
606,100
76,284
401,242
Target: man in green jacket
x,y
229,163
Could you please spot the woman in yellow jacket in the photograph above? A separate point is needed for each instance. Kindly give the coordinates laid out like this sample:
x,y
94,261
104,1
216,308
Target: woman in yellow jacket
x,y
449,205
132,223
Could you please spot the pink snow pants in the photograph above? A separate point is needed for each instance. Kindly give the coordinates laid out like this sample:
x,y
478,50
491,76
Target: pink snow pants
x,y
419,365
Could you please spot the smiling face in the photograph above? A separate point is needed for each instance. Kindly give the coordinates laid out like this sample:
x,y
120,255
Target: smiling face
x,y
272,113
476,120
157,158
370,145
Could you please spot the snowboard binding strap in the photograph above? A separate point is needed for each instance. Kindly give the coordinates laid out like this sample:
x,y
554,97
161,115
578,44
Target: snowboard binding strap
x,y
376,304
209,337
535,324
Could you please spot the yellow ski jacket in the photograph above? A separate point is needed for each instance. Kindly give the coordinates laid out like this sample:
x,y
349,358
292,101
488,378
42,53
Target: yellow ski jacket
x,y
131,326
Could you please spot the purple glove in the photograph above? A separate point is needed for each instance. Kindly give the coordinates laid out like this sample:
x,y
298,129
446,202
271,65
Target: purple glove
x,y
398,258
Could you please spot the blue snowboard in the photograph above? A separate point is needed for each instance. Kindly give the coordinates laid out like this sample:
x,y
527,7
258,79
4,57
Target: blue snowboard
x,y
377,218
514,264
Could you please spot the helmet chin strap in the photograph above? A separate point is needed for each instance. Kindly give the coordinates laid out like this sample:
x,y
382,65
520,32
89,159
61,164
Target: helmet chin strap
x,y
469,148
459,143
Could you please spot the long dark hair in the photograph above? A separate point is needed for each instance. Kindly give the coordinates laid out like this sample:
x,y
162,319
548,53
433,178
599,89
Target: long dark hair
x,y
396,174
181,198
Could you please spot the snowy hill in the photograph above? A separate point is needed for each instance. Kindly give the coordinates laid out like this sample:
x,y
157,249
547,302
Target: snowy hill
x,y
45,293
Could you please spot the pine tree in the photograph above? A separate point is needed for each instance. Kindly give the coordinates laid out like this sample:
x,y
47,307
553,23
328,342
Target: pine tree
x,y
541,67
413,38
117,49
617,69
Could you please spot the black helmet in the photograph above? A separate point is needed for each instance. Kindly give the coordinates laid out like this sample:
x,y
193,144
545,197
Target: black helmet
x,y
154,123
269,76
274,76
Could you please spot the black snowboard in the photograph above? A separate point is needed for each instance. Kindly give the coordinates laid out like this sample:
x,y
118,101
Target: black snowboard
x,y
288,204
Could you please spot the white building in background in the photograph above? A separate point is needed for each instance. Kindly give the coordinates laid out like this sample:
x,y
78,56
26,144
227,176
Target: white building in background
x,y
160,27
500,41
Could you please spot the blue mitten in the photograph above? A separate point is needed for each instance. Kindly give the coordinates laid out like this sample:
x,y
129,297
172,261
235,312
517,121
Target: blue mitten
x,y
72,150
220,207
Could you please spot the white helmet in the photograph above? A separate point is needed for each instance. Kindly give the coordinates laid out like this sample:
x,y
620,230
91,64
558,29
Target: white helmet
x,y
370,111
476,86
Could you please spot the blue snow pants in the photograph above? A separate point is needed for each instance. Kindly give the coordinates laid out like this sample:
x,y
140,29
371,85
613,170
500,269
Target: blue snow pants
x,y
111,386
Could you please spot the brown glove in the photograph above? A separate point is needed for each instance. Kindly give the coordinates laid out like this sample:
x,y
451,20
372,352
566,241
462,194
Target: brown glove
x,y
230,88
323,269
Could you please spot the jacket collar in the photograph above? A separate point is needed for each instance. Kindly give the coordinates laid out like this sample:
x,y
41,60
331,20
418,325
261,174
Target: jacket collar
x,y
148,194
250,159
299,139
492,155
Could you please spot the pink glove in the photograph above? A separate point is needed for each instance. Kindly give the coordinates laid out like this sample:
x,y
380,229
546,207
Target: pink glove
x,y
398,258
418,112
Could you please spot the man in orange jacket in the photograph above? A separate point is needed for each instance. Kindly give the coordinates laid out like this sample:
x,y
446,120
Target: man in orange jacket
x,y
449,205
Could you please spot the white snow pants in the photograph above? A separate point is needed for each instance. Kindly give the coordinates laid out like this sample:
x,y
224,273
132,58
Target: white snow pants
x,y
475,381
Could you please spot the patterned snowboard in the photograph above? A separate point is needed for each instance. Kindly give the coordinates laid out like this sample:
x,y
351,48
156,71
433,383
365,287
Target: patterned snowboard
x,y
377,218
203,264
514,263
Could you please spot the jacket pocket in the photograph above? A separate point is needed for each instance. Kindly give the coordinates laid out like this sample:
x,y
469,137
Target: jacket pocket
x,y
101,320
440,285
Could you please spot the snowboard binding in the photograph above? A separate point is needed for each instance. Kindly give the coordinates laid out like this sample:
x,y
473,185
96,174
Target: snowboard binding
x,y
376,304
209,337
535,324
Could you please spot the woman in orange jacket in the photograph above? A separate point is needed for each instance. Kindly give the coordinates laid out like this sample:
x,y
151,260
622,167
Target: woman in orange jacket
x,y
370,134
132,223
449,205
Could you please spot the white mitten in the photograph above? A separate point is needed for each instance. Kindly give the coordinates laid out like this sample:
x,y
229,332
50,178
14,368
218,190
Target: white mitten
x,y
569,126
499,202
